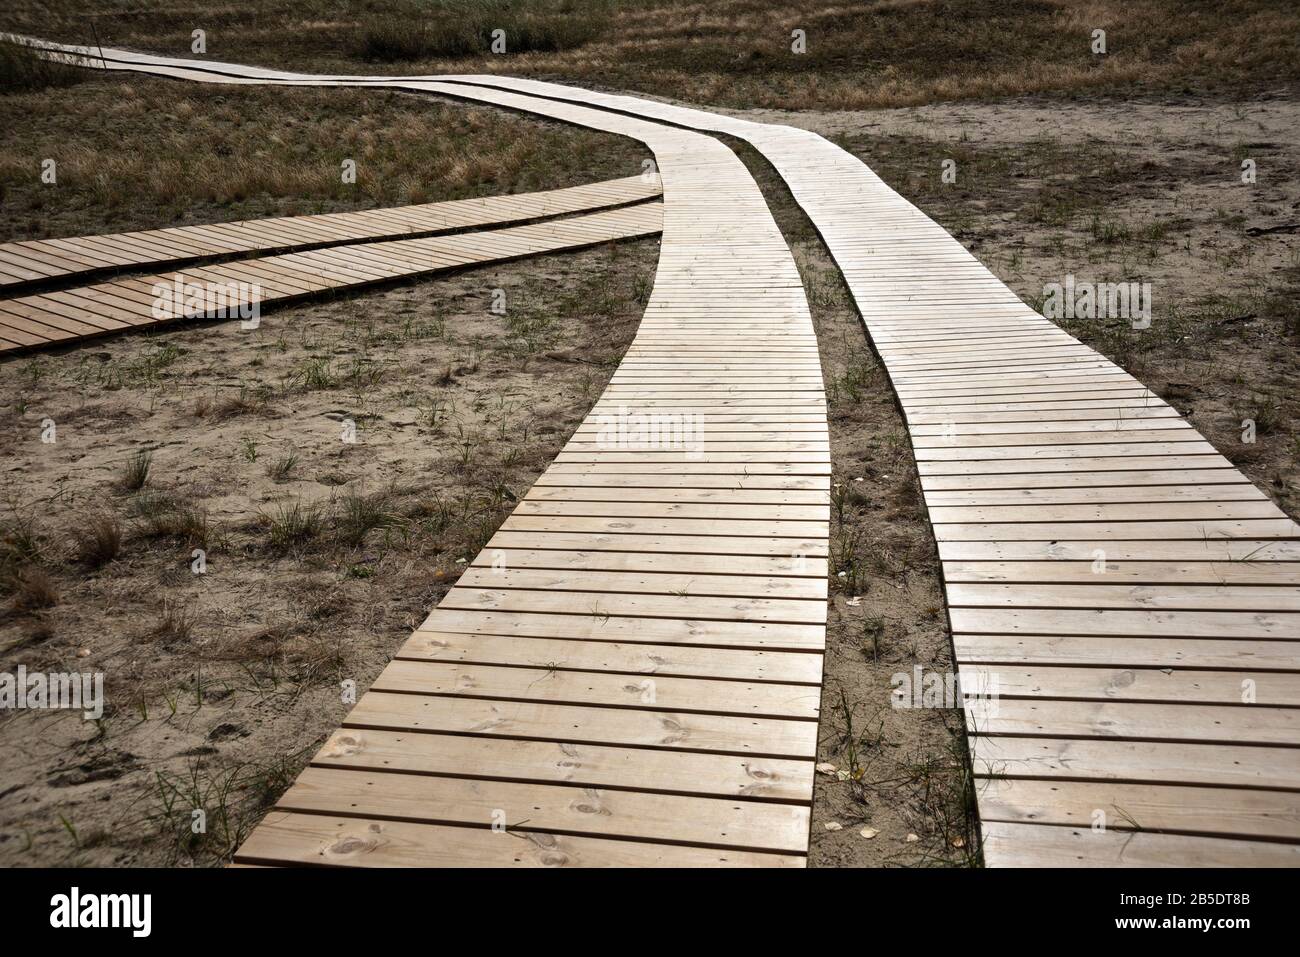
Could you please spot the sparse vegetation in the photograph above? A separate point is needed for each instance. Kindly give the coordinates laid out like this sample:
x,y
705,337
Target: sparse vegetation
x,y
135,473
175,625
161,515
126,157
98,540
359,514
283,468
736,53
34,589
458,28
291,525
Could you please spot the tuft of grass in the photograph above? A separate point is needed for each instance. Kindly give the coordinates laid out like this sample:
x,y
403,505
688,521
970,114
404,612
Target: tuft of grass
x,y
1267,414
135,473
233,799
176,623
242,403
98,540
941,792
20,543
458,28
873,633
1107,232
161,516
34,589
314,373
361,514
293,525
282,468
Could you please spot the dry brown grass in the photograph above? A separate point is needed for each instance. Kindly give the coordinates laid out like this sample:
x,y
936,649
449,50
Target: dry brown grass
x,y
175,623
99,540
737,52
141,152
34,589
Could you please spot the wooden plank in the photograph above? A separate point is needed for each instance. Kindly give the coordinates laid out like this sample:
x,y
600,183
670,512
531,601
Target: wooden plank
x,y
1186,685
745,825
315,839
648,659
1032,845
674,607
585,766
158,247
1105,719
605,689
502,575
1099,594
1127,572
1172,624
572,724
1247,551
813,570
1094,650
1122,806
1145,761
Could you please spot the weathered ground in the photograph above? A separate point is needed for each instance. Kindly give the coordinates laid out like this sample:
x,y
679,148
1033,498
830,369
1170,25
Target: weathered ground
x,y
321,555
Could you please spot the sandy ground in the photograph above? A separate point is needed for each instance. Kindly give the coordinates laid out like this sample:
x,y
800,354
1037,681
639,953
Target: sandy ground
x,y
221,685
892,788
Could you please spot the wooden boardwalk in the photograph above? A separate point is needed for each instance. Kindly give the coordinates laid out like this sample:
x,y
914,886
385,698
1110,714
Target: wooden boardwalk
x,y
45,260
1148,712
1128,594
223,289
629,674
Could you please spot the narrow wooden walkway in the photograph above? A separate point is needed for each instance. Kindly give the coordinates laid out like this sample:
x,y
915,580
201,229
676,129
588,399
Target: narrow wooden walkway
x,y
223,289
1148,714
629,674
45,260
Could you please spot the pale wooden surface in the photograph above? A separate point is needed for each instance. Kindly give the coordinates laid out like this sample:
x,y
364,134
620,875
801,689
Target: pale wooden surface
x,y
125,303
44,260
1121,691
629,673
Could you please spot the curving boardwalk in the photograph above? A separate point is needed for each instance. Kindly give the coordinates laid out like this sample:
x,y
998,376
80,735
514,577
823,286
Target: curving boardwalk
x,y
46,260
224,289
1147,712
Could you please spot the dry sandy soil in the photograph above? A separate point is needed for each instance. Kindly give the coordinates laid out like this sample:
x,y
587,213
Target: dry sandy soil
x,y
321,555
